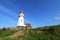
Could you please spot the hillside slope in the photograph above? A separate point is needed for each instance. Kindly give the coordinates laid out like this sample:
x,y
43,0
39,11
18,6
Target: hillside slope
x,y
40,33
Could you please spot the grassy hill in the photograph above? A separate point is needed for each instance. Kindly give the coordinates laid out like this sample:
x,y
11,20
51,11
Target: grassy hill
x,y
49,33
5,33
40,33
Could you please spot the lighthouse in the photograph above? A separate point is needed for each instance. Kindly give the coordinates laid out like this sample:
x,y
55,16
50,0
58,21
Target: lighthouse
x,y
21,20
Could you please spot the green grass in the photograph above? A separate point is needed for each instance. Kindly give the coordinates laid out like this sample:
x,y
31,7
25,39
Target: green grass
x,y
49,33
5,33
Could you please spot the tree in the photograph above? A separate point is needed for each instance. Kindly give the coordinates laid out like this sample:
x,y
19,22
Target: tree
x,y
4,28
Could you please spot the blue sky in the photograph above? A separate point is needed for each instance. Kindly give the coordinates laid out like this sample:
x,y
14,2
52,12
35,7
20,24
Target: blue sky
x,y
37,12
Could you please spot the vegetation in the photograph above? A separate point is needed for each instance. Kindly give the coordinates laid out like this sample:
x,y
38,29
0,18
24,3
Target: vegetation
x,y
4,33
49,33
40,33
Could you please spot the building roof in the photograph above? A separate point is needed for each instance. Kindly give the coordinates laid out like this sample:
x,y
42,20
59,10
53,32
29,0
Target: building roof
x,y
28,25
21,12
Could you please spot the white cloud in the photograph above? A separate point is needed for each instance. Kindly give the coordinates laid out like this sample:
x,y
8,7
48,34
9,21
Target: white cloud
x,y
57,18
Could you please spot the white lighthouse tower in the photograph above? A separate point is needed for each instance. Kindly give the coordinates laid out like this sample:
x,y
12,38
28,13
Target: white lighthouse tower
x,y
21,20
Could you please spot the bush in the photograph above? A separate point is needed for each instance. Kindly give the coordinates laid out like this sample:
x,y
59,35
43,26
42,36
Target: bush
x,y
4,28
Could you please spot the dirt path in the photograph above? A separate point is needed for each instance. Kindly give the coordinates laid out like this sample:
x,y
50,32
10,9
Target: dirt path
x,y
18,33
0,38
